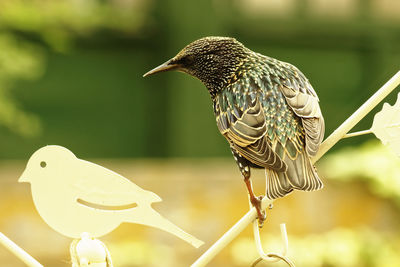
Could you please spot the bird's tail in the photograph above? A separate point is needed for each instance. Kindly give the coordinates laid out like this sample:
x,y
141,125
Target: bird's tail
x,y
300,175
150,217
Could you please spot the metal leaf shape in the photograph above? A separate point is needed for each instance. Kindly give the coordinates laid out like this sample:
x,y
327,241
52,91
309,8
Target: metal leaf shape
x,y
386,126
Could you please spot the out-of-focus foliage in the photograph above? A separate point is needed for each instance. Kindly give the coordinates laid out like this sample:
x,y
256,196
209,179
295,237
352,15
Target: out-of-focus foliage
x,y
57,22
339,247
372,162
86,82
18,60
27,27
142,254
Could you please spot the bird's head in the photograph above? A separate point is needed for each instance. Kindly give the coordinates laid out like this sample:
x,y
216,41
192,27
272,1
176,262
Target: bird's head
x,y
44,162
213,60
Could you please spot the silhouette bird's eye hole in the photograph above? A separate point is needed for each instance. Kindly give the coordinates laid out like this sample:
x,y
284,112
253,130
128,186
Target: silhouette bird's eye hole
x,y
43,164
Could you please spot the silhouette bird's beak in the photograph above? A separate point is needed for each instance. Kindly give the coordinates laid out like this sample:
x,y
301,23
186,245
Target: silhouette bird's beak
x,y
169,65
23,178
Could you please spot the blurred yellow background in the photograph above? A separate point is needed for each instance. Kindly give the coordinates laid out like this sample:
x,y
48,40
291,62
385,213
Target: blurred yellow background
x,y
71,74
353,221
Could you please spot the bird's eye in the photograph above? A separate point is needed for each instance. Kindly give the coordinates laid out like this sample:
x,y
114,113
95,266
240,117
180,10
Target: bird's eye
x,y
43,164
187,60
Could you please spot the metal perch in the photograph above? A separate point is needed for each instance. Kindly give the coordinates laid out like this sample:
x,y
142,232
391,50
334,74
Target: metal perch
x,y
19,252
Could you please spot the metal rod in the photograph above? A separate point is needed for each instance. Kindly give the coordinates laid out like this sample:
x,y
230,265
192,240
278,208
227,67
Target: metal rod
x,y
233,232
357,133
19,252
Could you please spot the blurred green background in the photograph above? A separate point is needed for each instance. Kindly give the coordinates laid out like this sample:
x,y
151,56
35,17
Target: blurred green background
x,y
71,74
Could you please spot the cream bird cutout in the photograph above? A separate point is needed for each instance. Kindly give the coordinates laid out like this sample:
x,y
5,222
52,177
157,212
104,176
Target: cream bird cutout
x,y
74,196
386,126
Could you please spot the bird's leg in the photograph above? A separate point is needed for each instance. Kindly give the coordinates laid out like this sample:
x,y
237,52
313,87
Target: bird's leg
x,y
244,167
255,201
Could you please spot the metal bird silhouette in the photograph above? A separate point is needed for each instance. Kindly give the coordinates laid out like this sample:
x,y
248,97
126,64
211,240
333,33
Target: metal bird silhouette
x,y
386,126
74,196
265,108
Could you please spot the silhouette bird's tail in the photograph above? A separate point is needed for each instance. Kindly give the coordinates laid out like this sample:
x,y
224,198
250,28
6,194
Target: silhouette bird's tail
x,y
152,218
300,175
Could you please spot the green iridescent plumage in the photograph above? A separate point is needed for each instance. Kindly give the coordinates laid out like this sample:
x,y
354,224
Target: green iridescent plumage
x,y
260,80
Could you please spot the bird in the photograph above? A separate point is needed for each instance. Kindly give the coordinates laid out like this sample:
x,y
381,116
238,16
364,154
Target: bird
x,y
265,108
74,196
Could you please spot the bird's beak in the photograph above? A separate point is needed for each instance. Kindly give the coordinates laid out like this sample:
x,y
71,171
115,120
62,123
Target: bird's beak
x,y
23,178
169,65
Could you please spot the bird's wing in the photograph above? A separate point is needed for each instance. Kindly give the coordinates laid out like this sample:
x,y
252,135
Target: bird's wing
x,y
240,118
303,100
106,189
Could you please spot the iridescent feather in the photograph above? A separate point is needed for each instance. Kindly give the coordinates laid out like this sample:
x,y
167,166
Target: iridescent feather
x,y
270,116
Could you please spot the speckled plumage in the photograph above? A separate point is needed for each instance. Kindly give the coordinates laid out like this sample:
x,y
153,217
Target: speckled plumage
x,y
265,108
260,80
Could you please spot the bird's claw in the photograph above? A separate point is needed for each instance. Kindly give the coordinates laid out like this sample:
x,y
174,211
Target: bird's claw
x,y
261,215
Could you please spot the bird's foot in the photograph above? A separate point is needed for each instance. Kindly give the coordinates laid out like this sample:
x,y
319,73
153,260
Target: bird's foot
x,y
261,215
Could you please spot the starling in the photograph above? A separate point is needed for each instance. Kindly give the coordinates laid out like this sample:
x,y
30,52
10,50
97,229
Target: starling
x,y
265,108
